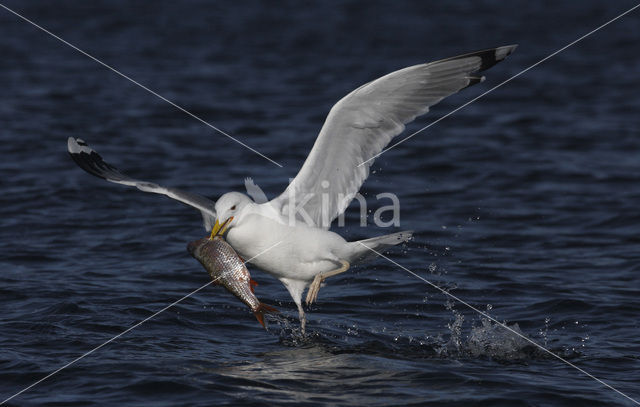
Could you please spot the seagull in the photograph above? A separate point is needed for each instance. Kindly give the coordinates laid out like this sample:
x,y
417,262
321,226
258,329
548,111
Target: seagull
x,y
288,236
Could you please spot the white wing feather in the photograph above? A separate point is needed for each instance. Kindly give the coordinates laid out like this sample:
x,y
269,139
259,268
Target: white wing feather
x,y
89,160
362,123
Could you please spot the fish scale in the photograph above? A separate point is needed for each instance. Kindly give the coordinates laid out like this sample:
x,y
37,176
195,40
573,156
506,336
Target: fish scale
x,y
226,268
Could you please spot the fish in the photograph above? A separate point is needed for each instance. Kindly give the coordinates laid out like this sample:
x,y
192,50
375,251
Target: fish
x,y
227,269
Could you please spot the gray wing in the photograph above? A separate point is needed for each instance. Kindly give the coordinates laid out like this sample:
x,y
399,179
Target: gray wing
x,y
90,161
363,123
254,191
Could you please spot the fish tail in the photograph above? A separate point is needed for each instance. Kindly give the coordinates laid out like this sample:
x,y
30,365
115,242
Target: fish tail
x,y
262,309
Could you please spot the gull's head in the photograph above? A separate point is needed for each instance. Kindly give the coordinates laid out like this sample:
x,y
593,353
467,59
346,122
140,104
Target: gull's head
x,y
228,207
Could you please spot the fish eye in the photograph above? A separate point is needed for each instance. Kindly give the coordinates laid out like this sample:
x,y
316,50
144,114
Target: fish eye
x,y
233,208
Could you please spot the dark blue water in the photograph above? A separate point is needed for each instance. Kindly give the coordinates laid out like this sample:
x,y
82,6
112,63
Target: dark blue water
x,y
524,204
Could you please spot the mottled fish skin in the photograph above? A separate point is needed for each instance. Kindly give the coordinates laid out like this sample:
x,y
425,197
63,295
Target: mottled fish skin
x,y
226,268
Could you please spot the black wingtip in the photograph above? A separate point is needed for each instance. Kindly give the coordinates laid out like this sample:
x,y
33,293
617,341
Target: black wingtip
x,y
490,56
91,161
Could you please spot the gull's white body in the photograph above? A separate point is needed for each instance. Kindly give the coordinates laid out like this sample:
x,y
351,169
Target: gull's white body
x,y
296,253
356,130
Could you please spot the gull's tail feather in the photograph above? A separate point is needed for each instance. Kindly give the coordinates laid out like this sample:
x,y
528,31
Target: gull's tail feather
x,y
359,251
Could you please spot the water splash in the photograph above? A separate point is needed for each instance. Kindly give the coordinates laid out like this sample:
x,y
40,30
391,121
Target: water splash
x,y
544,332
487,339
288,330
492,340
455,342
464,337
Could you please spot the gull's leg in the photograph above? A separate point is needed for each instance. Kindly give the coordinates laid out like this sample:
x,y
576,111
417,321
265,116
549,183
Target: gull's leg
x,y
295,288
312,293
303,318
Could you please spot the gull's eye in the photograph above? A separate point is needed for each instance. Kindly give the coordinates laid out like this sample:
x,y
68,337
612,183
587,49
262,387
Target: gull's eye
x,y
233,208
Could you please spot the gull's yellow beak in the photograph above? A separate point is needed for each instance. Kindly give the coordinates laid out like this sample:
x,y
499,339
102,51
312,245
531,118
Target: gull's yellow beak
x,y
214,230
219,229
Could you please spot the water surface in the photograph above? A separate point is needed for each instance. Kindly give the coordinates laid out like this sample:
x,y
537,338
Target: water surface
x,y
525,204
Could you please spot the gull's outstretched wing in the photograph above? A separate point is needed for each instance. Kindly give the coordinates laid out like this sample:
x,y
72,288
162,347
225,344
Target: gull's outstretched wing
x,y
254,191
362,123
90,161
